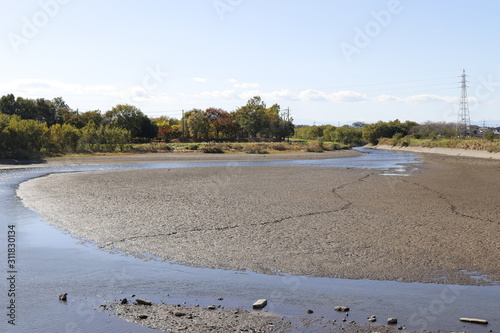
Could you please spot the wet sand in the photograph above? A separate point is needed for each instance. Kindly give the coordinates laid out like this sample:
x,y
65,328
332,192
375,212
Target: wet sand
x,y
175,156
439,225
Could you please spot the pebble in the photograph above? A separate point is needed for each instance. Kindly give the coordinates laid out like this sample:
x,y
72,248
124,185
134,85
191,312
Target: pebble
x,y
63,297
260,304
310,311
124,301
179,314
143,316
392,321
341,308
142,301
211,307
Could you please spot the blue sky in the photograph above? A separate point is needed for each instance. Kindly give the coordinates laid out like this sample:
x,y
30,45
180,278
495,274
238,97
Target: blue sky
x,y
330,61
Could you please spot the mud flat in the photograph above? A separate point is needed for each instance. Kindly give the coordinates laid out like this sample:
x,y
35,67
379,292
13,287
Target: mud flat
x,y
182,318
180,156
177,318
439,225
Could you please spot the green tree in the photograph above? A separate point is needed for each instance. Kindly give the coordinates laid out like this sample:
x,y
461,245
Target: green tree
x,y
132,119
45,111
8,104
252,117
198,124
63,138
348,135
372,133
82,119
23,138
329,133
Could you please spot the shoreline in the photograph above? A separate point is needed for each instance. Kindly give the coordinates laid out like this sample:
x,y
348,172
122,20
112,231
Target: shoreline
x,y
441,151
173,157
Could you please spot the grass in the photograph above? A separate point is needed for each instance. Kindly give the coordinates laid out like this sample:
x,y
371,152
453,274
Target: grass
x,y
213,148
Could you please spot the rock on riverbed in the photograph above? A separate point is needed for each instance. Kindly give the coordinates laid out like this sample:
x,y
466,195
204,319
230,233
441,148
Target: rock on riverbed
x,y
173,318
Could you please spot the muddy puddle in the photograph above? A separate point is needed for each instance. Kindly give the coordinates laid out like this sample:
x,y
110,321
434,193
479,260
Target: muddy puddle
x,y
49,262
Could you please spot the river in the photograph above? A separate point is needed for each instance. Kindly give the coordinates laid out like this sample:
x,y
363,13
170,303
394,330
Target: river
x,y
49,262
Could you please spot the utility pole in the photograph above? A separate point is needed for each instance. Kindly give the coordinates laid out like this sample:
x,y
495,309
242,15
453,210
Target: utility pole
x,y
285,115
183,127
463,122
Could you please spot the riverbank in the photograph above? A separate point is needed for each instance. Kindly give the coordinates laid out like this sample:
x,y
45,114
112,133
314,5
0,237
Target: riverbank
x,y
442,151
439,225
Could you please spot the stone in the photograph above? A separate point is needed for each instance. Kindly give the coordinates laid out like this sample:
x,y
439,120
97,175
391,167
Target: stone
x,y
260,304
143,316
63,297
392,321
211,307
310,311
341,308
179,314
124,301
474,320
142,301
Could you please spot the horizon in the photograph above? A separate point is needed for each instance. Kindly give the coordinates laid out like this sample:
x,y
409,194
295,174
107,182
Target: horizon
x,y
330,62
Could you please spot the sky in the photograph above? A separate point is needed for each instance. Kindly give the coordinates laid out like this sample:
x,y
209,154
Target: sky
x,y
328,61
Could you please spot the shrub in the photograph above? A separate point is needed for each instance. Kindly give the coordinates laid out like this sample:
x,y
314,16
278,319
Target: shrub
x,y
490,136
314,150
211,150
316,147
255,149
280,147
396,138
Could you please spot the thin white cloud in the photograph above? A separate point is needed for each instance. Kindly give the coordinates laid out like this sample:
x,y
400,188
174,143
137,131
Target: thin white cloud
x,y
348,96
232,80
246,95
310,95
199,79
246,85
37,87
385,99
216,94
283,94
427,98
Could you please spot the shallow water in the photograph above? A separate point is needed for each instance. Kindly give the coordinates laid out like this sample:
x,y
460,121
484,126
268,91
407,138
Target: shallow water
x,y
50,262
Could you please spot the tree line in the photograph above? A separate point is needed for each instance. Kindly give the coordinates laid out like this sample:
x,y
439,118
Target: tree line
x,y
360,133
31,126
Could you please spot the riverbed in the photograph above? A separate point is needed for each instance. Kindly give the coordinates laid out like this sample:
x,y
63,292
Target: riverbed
x,y
52,262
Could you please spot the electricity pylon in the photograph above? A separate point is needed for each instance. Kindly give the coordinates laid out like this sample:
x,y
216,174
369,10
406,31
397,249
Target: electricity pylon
x,y
463,122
